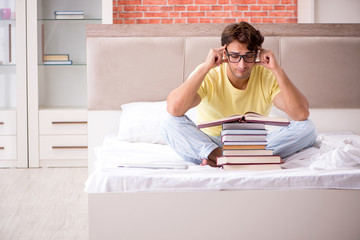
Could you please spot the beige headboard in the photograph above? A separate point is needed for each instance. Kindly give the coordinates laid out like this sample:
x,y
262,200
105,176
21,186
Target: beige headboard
x,y
128,63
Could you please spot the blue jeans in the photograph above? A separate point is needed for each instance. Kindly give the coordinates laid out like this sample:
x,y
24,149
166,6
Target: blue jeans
x,y
193,145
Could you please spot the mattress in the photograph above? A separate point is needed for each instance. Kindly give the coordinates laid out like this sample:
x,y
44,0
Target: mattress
x,y
332,163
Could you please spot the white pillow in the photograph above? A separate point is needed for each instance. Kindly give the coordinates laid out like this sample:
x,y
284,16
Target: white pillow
x,y
140,121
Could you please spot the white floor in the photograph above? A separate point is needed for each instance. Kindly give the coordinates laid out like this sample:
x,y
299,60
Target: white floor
x,y
43,204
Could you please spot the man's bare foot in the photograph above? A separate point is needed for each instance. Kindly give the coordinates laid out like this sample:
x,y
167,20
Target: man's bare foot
x,y
211,160
208,162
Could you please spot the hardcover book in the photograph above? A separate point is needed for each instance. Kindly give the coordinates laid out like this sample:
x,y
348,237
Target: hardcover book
x,y
255,159
249,117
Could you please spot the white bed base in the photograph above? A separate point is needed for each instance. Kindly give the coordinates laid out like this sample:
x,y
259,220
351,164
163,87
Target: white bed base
x,y
256,215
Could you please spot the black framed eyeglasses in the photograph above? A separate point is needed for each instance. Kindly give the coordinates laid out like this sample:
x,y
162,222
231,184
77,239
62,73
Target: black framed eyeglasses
x,y
235,57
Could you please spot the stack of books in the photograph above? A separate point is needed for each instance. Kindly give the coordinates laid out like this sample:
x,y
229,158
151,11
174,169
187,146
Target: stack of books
x,y
69,14
244,142
57,59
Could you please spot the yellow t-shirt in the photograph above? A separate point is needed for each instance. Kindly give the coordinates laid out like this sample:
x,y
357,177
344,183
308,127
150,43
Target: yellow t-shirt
x,y
220,99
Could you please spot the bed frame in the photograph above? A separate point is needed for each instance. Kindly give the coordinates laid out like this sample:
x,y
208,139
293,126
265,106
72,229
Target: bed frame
x,y
128,63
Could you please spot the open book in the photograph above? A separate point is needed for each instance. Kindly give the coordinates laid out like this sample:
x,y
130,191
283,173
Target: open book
x,y
250,117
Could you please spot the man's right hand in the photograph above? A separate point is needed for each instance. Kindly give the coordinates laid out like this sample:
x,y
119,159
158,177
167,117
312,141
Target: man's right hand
x,y
215,57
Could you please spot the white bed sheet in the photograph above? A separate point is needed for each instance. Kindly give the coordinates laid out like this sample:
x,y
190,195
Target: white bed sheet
x,y
333,163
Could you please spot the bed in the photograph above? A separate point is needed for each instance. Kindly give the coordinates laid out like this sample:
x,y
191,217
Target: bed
x,y
315,196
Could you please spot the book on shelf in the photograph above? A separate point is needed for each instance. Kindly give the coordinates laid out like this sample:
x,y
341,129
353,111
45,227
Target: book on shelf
x,y
255,159
246,152
249,117
252,167
239,125
70,16
56,57
69,12
68,62
243,138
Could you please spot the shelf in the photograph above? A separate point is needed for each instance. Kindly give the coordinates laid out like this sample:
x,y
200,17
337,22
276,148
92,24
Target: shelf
x,y
85,19
7,65
62,65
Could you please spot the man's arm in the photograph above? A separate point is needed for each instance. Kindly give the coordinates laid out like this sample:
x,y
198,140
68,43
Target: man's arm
x,y
184,97
290,99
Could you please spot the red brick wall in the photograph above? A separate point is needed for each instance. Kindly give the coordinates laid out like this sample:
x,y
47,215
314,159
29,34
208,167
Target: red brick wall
x,y
203,11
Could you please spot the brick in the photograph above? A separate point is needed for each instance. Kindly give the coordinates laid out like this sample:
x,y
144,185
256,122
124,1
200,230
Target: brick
x,y
128,2
141,8
129,8
180,2
192,8
193,20
205,20
280,14
156,14
154,2
180,20
118,9
117,21
217,20
267,7
174,14
154,21
280,20
242,8
255,20
291,20
237,14
229,8
192,14
167,21
130,15
129,21
154,9
216,8
205,8
229,20
279,8
205,2
268,20
255,8
286,1
244,2
179,8
268,1
243,20
217,14
224,2
142,21
255,14
291,8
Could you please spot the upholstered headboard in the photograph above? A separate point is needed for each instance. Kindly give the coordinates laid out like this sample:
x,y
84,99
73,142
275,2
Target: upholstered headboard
x,y
143,63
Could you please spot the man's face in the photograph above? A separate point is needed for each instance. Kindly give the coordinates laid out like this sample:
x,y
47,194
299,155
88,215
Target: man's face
x,y
239,71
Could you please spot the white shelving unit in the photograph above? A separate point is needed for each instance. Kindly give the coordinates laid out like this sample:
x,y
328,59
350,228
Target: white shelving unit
x,y
32,94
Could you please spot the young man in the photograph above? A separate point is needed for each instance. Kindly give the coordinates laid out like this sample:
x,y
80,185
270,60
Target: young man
x,y
231,82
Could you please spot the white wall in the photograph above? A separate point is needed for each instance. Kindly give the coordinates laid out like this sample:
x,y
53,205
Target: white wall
x,y
329,11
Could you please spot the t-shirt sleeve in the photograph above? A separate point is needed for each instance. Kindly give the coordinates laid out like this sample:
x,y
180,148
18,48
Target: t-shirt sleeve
x,y
206,88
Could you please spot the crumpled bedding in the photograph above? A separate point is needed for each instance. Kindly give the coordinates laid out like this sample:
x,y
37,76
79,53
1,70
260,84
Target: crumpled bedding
x,y
331,151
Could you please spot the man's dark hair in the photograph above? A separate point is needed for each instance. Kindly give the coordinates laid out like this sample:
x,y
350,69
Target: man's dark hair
x,y
242,32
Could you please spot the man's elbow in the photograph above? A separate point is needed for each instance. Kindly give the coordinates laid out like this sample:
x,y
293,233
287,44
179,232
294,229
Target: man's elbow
x,y
174,110
302,115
